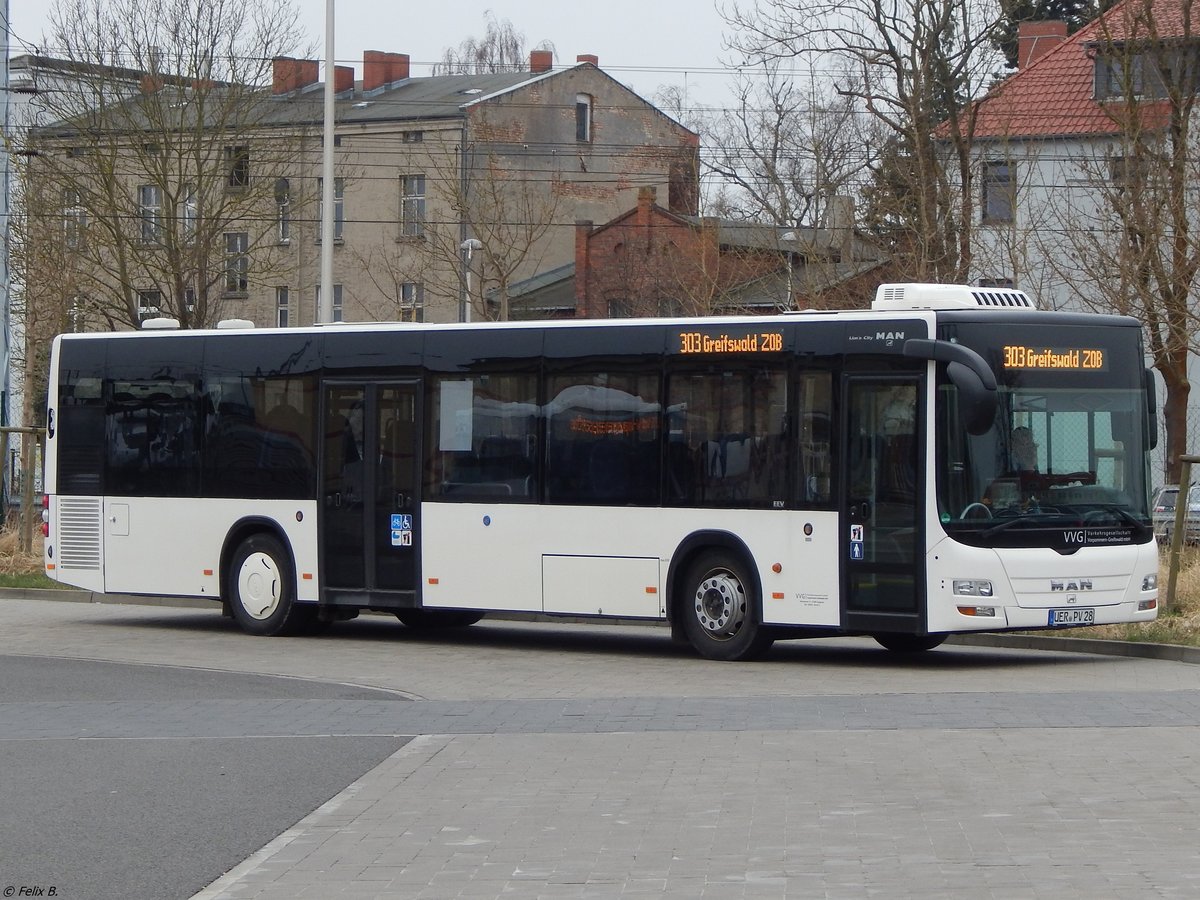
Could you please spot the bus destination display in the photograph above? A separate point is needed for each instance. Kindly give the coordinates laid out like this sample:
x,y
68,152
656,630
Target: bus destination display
x,y
699,343
1079,358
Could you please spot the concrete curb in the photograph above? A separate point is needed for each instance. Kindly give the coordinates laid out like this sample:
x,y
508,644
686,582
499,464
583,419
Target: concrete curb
x,y
1169,652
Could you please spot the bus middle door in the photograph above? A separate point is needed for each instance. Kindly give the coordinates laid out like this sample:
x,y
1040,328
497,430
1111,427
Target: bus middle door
x,y
370,493
884,489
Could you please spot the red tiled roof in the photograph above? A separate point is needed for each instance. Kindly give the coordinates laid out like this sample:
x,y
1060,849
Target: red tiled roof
x,y
1055,96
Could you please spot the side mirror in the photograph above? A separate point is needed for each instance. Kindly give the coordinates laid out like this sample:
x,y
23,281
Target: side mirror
x,y
969,373
1151,409
976,404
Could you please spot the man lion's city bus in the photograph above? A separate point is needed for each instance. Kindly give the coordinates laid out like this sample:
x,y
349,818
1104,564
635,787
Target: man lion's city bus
x,y
745,479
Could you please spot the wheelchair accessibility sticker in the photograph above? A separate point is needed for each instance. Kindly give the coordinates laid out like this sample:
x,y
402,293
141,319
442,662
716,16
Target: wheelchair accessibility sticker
x,y
402,535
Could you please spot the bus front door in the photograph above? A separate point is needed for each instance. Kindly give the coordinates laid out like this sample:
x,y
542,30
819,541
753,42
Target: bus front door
x,y
369,493
884,490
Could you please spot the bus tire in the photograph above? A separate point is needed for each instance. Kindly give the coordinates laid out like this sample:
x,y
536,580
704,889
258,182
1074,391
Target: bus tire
x,y
438,618
720,610
262,590
909,643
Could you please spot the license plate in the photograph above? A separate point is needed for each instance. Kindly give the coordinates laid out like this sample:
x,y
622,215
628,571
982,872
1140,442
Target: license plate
x,y
1083,616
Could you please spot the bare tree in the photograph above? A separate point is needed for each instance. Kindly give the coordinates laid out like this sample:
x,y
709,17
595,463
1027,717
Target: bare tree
x,y
916,63
787,145
501,49
171,209
1130,244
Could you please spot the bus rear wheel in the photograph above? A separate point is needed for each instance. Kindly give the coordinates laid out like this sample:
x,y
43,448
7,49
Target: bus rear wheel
x,y
719,607
438,618
910,643
262,592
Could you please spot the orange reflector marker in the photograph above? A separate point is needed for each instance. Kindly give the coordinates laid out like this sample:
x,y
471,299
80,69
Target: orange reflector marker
x,y
778,595
307,576
433,581
49,565
651,589
208,573
777,568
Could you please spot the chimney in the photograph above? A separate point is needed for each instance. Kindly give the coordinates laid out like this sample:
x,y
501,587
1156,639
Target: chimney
x,y
583,234
399,66
839,219
541,61
343,79
588,58
1036,39
292,74
647,197
381,69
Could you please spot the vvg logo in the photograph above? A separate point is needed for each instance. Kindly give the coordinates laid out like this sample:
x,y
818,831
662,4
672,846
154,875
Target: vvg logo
x,y
1074,537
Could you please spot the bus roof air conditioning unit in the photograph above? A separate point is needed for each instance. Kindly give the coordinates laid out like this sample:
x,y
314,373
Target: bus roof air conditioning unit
x,y
948,296
234,324
160,323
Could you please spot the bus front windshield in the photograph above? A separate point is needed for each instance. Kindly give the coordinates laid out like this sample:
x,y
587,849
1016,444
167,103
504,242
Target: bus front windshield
x,y
1056,457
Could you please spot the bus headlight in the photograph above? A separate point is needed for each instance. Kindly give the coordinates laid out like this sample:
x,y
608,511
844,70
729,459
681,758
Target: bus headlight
x,y
971,587
1150,582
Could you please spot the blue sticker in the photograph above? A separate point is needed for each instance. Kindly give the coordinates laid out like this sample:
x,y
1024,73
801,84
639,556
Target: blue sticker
x,y
856,549
401,522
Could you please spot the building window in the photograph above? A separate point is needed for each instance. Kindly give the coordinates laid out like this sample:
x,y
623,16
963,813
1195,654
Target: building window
x,y
336,315
996,283
190,213
583,117
237,262
189,300
412,205
149,305
413,137
150,213
283,210
412,302
282,307
74,220
999,191
339,207
620,308
237,163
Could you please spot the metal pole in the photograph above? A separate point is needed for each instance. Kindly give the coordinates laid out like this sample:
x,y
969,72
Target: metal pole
x,y
1178,534
325,307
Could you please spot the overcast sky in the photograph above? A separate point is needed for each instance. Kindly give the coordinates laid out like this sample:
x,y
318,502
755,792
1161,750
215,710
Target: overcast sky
x,y
642,43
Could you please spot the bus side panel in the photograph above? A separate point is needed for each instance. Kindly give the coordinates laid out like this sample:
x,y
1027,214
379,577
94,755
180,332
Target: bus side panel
x,y
149,548
547,558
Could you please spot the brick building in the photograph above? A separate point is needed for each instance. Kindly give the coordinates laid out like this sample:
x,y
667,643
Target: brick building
x,y
652,260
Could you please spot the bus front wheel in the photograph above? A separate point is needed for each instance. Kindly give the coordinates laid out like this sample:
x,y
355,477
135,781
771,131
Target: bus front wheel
x,y
262,593
719,608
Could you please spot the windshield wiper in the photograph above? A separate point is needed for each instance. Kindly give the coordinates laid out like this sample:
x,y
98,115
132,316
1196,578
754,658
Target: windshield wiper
x,y
1023,519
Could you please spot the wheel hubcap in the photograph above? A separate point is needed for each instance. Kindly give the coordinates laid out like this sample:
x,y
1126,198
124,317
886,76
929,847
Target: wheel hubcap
x,y
721,605
259,585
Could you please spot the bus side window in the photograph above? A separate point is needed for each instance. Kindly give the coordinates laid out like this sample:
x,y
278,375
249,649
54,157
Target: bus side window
x,y
814,440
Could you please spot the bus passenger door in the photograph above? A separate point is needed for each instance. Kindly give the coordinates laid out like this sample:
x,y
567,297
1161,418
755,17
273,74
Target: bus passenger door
x,y
883,495
369,490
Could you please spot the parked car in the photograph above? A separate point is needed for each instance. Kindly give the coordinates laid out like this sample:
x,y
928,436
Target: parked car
x,y
1162,512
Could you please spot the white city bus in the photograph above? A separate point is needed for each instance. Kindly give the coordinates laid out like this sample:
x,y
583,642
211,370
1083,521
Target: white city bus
x,y
744,478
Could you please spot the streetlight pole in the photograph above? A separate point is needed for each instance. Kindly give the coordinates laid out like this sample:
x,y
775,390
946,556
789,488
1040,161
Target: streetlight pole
x,y
469,246
788,237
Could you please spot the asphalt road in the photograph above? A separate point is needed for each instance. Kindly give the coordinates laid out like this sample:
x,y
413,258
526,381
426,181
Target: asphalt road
x,y
118,807
146,753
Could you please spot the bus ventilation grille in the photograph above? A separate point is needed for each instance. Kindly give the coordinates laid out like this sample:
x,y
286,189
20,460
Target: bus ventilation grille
x,y
1004,298
78,533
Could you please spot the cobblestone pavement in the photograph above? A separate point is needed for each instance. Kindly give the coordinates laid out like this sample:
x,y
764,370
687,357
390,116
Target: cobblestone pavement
x,y
567,761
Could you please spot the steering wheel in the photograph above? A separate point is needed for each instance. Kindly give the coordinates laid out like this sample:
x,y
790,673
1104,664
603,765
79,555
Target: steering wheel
x,y
975,507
